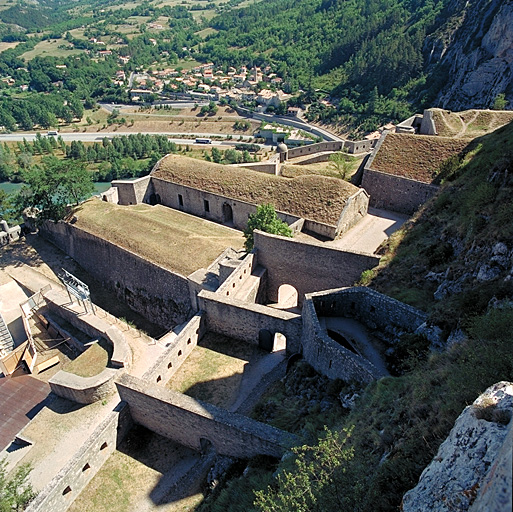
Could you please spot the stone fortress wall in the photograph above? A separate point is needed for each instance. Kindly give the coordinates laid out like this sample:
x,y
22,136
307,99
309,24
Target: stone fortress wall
x,y
374,310
159,294
395,193
307,266
65,487
191,422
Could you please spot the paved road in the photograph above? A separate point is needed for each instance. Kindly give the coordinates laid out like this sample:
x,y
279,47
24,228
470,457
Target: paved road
x,y
97,137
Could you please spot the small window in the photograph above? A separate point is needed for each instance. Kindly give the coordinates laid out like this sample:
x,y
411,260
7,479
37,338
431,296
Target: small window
x,y
159,378
66,491
86,467
169,365
179,353
189,341
103,446
180,199
206,205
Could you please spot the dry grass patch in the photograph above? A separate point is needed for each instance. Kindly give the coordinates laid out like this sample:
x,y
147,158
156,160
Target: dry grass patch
x,y
175,240
91,362
213,371
415,157
130,474
50,48
7,46
312,197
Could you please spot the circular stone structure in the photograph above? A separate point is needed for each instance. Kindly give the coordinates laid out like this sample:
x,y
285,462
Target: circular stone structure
x,y
282,147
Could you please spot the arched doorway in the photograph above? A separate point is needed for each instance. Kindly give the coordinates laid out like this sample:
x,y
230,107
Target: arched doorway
x,y
227,214
154,199
265,340
287,296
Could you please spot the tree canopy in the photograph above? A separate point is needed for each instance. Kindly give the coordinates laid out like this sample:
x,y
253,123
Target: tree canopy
x,y
15,492
54,186
265,219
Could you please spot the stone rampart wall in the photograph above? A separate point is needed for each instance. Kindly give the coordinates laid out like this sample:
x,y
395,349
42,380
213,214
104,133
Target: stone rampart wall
x,y
134,191
315,148
84,390
158,294
62,490
373,309
320,157
244,321
196,202
188,422
356,147
265,167
237,279
354,211
389,192
179,346
308,267
327,356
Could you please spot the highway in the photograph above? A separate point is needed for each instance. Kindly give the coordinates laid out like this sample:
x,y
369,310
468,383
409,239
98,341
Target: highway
x,y
98,137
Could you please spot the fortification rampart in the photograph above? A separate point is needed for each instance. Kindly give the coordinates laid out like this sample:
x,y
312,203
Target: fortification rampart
x,y
265,167
191,422
210,206
312,149
134,191
84,390
179,345
373,309
355,210
62,490
391,192
327,356
307,266
159,294
244,321
238,277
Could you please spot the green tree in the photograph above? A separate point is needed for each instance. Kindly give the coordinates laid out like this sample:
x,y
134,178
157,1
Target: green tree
x,y
264,219
342,164
15,492
316,481
54,186
500,102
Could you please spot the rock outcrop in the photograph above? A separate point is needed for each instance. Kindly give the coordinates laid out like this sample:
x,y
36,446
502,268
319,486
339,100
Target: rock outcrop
x,y
475,49
472,469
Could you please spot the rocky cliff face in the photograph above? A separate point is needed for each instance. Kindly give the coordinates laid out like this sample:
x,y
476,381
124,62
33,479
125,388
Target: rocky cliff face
x,y
472,469
474,48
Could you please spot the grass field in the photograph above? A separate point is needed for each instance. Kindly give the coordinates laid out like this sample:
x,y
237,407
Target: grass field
x,y
49,49
7,46
399,155
213,371
130,474
177,241
91,362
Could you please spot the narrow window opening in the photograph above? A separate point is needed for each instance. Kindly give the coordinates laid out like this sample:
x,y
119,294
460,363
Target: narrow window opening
x,y
66,491
86,467
103,446
206,205
180,199
159,378
179,353
189,341
169,365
